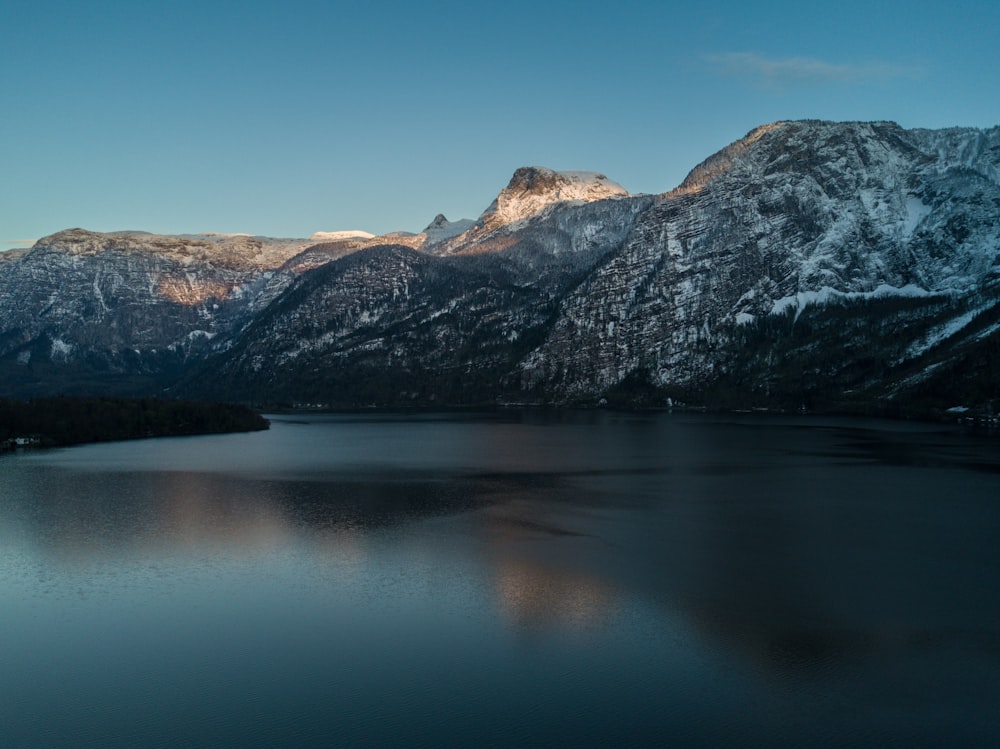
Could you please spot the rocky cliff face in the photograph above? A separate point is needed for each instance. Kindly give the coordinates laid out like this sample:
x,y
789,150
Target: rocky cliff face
x,y
809,263
794,215
391,323
85,311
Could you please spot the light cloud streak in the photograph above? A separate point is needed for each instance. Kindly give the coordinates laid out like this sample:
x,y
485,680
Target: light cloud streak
x,y
783,70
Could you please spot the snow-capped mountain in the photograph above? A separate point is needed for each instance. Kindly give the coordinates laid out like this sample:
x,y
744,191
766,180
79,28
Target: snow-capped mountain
x,y
86,310
534,188
441,229
532,192
809,264
794,214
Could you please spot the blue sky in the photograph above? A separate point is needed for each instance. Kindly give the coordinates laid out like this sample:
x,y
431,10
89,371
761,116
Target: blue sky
x,y
288,118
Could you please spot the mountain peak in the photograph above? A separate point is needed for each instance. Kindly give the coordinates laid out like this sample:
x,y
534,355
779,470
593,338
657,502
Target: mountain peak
x,y
810,138
534,188
531,190
720,162
441,229
564,185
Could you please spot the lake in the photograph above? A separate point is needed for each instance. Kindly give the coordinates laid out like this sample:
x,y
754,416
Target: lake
x,y
506,579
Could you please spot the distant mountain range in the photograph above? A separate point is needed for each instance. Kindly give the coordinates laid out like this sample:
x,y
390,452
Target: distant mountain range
x,y
811,265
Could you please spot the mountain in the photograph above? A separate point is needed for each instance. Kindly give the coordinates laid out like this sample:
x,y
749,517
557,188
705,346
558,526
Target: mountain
x,y
810,264
441,229
395,324
124,313
531,192
882,243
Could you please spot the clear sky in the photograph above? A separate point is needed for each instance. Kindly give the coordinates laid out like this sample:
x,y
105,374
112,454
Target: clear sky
x,y
288,118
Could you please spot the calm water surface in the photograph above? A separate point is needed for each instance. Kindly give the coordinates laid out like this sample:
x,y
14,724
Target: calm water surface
x,y
589,579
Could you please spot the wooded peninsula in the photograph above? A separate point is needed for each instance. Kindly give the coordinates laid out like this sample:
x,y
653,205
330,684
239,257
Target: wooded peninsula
x,y
51,422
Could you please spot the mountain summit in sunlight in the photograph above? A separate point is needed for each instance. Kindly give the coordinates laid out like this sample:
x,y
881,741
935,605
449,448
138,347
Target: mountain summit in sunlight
x,y
533,188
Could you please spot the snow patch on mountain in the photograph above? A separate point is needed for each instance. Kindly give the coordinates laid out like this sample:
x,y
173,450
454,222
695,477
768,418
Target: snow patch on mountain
x,y
338,236
943,332
916,212
60,350
828,295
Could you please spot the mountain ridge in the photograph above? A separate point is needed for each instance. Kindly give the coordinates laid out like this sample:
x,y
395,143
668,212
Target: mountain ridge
x,y
567,289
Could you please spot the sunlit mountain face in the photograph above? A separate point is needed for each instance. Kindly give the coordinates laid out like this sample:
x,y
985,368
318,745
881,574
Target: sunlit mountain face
x,y
811,265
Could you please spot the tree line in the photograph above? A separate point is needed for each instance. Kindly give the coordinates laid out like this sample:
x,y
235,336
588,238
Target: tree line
x,y
72,421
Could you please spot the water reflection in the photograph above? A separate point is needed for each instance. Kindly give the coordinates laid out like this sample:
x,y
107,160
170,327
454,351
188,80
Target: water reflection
x,y
532,595
832,574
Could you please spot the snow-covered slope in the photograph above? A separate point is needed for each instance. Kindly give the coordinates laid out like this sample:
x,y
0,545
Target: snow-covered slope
x,y
85,311
338,236
796,213
235,251
441,229
532,192
534,188
808,262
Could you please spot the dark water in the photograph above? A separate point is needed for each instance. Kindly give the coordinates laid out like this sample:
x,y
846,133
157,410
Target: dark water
x,y
517,579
